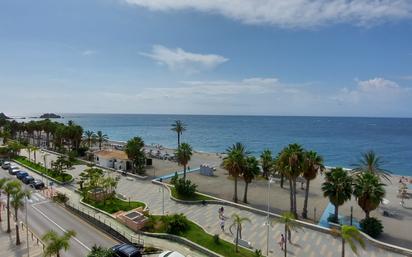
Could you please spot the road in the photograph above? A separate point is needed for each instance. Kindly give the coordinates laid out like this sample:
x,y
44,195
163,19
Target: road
x,y
44,215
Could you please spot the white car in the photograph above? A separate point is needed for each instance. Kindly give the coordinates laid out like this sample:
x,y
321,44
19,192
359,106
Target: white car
x,y
171,254
6,165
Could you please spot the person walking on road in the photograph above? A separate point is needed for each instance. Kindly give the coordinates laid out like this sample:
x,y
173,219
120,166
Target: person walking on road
x,y
282,241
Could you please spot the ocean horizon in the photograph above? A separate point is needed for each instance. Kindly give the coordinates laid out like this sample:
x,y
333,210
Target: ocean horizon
x,y
340,140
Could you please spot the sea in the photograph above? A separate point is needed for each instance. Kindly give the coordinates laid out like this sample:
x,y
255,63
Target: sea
x,y
340,140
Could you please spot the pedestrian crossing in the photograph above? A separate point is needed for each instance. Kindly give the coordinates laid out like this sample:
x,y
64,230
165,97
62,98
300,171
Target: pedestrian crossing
x,y
36,198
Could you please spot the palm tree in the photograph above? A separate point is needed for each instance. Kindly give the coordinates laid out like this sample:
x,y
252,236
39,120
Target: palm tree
x,y
89,137
370,162
238,222
134,151
35,149
18,202
266,160
249,173
55,243
10,187
183,155
99,251
337,187
235,163
101,138
3,182
312,163
290,162
289,222
179,127
369,191
350,235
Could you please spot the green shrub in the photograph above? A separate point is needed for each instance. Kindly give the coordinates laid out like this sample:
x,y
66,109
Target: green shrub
x,y
371,226
60,198
174,179
258,253
216,239
175,224
185,187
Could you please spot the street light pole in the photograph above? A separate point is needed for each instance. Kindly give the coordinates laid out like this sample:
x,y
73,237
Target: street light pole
x,y
267,218
163,196
27,229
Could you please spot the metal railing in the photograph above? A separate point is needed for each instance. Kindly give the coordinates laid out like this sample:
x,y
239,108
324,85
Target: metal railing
x,y
107,225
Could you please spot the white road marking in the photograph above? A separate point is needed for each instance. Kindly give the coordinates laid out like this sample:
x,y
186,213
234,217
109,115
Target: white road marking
x,y
60,227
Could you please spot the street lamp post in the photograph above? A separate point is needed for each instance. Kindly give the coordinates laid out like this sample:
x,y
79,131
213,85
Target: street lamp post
x,y
268,217
163,196
27,228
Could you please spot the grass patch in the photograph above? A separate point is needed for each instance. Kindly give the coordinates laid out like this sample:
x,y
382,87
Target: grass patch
x,y
195,197
114,204
197,235
64,177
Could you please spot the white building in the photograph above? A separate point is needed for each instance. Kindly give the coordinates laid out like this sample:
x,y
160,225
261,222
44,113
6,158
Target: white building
x,y
114,159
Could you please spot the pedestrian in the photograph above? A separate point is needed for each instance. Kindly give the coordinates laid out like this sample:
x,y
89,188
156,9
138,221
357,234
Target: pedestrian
x,y
282,241
222,225
221,213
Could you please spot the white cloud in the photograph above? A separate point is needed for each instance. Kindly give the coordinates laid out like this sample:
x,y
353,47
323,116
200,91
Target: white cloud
x,y
292,13
89,52
179,59
373,91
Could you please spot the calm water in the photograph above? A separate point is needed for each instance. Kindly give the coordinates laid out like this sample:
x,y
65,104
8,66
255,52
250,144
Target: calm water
x,y
339,140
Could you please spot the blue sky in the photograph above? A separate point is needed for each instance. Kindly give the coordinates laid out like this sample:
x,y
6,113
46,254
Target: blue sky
x,y
260,57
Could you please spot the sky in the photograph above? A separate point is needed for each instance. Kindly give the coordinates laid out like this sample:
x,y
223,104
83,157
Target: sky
x,y
240,57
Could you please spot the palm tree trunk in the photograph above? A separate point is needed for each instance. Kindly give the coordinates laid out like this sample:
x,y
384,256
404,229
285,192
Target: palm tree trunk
x,y
178,139
286,241
17,228
343,247
336,213
295,209
245,195
235,195
58,254
184,172
367,214
291,195
237,239
281,181
305,204
35,157
8,214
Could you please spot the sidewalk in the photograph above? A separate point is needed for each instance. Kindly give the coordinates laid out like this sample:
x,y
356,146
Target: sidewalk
x,y
8,242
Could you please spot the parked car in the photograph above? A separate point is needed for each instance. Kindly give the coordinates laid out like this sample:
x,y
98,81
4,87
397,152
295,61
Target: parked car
x,y
27,179
21,174
37,184
126,250
171,254
6,165
13,170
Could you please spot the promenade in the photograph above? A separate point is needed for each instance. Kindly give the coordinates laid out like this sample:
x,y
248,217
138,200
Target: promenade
x,y
306,242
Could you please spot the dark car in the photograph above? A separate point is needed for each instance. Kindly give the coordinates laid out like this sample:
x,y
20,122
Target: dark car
x,y
27,179
14,170
21,174
37,184
126,250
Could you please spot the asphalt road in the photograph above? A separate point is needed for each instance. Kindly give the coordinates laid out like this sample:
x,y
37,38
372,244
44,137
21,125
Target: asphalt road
x,y
44,215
